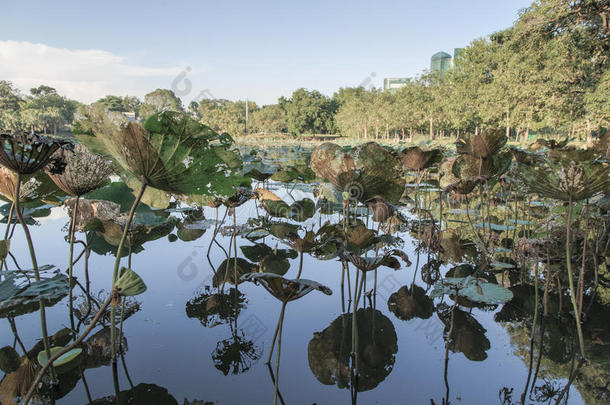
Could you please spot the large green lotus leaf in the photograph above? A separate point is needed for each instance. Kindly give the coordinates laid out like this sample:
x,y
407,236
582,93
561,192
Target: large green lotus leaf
x,y
20,293
170,152
30,210
415,158
483,145
152,197
473,289
129,283
370,170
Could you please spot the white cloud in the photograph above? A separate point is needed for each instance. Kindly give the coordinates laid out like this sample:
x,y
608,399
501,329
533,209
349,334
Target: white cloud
x,y
85,75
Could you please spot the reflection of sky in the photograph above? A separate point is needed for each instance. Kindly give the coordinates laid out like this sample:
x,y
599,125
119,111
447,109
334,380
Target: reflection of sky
x,y
169,349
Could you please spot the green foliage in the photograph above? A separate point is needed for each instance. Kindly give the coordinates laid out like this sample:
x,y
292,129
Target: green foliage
x,y
309,112
170,152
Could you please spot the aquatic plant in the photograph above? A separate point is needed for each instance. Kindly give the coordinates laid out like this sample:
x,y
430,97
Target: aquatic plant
x,y
368,171
570,176
26,154
170,152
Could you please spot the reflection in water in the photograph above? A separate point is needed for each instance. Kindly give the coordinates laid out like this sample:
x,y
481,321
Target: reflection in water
x,y
329,351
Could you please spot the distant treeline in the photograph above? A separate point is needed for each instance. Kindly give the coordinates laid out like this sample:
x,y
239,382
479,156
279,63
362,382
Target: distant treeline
x,y
548,72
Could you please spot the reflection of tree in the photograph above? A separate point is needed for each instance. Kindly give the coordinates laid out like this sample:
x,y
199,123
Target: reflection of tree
x,y
468,335
214,308
557,344
329,350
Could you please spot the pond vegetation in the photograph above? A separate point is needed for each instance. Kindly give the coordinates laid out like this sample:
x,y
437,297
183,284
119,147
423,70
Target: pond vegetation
x,y
474,237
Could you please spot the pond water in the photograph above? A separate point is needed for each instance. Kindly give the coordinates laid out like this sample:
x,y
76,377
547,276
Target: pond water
x,y
190,337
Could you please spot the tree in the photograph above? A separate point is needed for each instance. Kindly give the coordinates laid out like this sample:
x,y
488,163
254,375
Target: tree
x,y
112,103
10,101
270,118
309,111
158,101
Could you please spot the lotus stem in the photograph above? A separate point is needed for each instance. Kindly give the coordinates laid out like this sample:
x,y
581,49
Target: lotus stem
x,y
277,327
71,264
28,237
279,351
65,350
117,262
571,278
300,265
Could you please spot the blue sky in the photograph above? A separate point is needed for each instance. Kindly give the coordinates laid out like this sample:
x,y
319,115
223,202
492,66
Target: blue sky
x,y
259,50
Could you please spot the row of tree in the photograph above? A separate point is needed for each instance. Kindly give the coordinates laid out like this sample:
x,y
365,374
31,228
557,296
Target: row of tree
x,y
548,72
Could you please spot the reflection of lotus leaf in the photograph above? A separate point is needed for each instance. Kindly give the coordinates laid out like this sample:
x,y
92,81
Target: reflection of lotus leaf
x,y
141,394
370,170
329,351
231,270
20,294
408,304
298,211
98,348
269,260
216,308
9,359
467,336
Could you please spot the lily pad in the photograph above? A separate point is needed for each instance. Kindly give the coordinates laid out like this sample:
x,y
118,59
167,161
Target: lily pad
x,y
62,360
473,289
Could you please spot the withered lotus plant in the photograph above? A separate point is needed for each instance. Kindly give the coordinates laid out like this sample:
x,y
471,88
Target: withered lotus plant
x,y
83,173
284,290
170,152
568,175
25,154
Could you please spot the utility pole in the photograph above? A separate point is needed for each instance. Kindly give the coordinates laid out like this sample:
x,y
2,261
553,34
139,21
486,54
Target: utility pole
x,y
246,116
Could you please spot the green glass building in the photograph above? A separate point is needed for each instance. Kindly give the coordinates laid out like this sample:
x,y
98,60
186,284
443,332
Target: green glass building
x,y
440,62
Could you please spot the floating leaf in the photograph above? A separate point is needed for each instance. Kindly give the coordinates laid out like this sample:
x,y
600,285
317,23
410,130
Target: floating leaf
x,y
473,289
61,360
